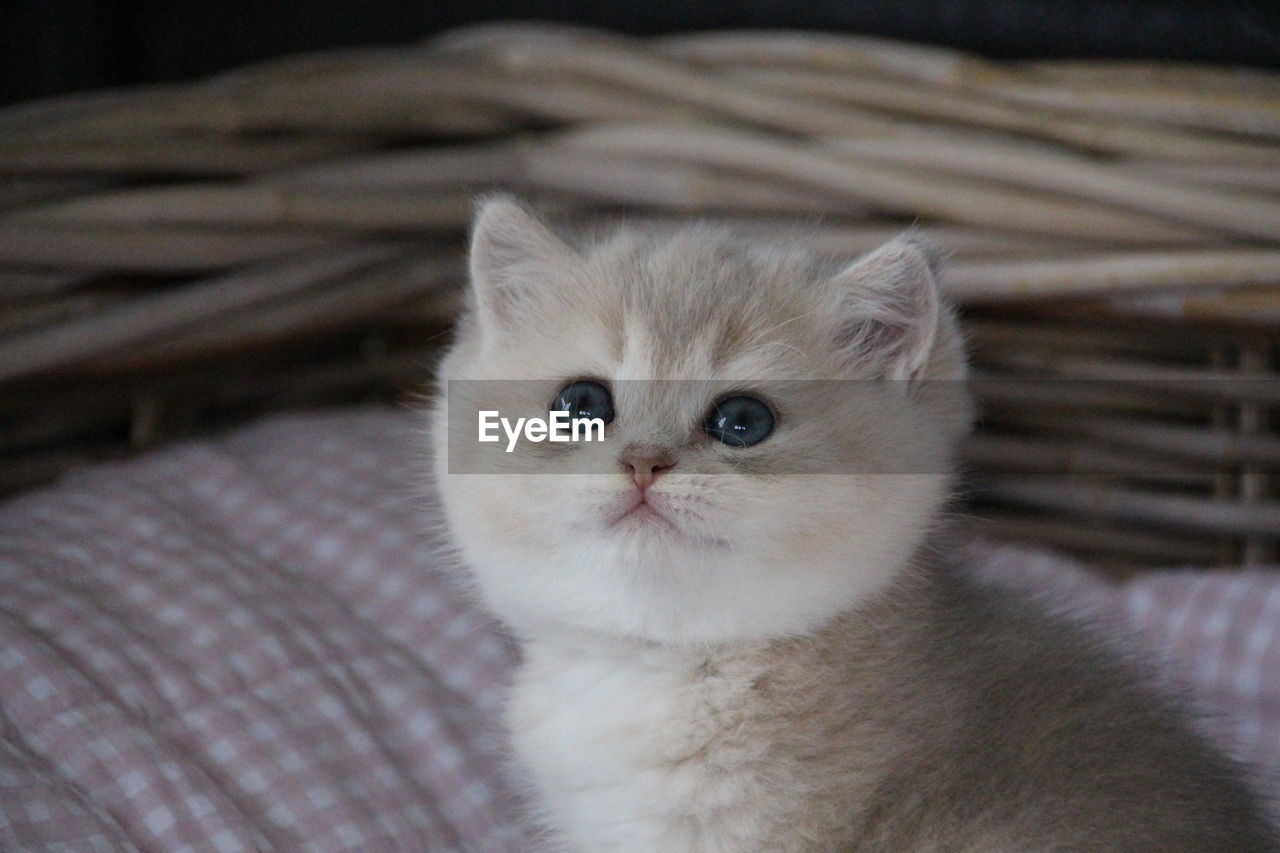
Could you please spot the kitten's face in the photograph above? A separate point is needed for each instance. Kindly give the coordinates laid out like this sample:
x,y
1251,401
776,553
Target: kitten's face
x,y
721,541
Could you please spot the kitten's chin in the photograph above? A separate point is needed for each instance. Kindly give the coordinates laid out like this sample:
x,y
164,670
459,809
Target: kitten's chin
x,y
651,585
648,525
634,520
636,513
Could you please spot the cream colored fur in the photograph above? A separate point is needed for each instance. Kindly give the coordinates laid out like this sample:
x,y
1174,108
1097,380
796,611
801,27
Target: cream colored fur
x,y
778,669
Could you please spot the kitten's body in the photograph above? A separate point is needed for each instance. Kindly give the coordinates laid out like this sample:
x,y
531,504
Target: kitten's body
x,y
944,716
765,661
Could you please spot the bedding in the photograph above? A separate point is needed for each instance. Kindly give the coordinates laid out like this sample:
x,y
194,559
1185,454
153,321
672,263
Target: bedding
x,y
246,643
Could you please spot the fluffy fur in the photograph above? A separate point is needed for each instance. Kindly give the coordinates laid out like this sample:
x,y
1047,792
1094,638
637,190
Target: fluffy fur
x,y
776,665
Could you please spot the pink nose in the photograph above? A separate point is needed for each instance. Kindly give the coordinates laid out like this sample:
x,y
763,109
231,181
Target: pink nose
x,y
645,469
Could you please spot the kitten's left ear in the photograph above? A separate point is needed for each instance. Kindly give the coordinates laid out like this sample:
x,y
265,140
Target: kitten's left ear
x,y
890,308
511,252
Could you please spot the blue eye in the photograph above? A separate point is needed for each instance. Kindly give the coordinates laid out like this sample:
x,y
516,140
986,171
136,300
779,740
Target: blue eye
x,y
739,421
585,399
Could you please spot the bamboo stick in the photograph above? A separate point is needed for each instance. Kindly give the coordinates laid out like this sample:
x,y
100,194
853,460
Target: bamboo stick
x,y
847,239
1196,382
146,247
148,317
17,191
231,391
1106,312
25,119
326,64
1217,446
1212,210
974,281
848,53
332,105
1230,112
975,109
411,95
1215,517
946,67
1070,398
185,154
1094,540
893,189
886,66
1227,313
258,204
45,312
1020,333
418,168
489,36
308,383
1140,74
647,74
1254,481
1255,179
789,111
1013,454
22,285
344,303
674,186
601,177
90,386
1255,307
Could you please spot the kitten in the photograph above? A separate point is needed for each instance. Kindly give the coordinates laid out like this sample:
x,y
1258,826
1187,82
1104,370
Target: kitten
x,y
734,636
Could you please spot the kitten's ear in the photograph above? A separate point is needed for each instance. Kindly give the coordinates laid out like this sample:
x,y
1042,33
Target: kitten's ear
x,y
511,251
890,308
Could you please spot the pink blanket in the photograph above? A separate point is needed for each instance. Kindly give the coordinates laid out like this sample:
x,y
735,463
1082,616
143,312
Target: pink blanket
x,y
241,644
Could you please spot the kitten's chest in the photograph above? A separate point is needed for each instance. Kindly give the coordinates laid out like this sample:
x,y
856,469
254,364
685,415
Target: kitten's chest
x,y
644,752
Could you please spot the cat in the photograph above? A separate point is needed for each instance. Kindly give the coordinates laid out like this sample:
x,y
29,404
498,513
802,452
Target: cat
x,y
736,632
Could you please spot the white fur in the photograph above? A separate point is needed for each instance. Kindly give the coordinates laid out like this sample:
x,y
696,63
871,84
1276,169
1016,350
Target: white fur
x,y
615,733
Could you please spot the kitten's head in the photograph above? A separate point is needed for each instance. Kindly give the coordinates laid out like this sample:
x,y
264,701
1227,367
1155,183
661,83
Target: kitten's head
x,y
751,481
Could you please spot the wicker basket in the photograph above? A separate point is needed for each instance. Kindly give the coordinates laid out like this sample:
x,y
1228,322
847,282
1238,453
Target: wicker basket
x,y
174,259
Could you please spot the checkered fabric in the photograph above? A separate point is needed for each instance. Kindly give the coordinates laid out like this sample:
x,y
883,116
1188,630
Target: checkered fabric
x,y
244,644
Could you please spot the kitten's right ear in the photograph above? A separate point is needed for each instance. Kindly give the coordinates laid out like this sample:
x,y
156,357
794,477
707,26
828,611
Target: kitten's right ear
x,y
511,252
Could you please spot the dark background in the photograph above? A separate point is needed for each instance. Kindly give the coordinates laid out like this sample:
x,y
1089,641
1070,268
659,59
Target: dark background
x,y
52,46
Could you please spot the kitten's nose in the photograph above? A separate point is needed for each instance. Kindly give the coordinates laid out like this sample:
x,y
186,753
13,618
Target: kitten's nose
x,y
646,468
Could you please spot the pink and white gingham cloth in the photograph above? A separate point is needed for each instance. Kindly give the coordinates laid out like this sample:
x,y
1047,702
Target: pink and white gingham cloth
x,y
243,644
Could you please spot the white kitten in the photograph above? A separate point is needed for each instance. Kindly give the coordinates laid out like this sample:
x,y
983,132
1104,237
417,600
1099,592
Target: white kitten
x,y
733,639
